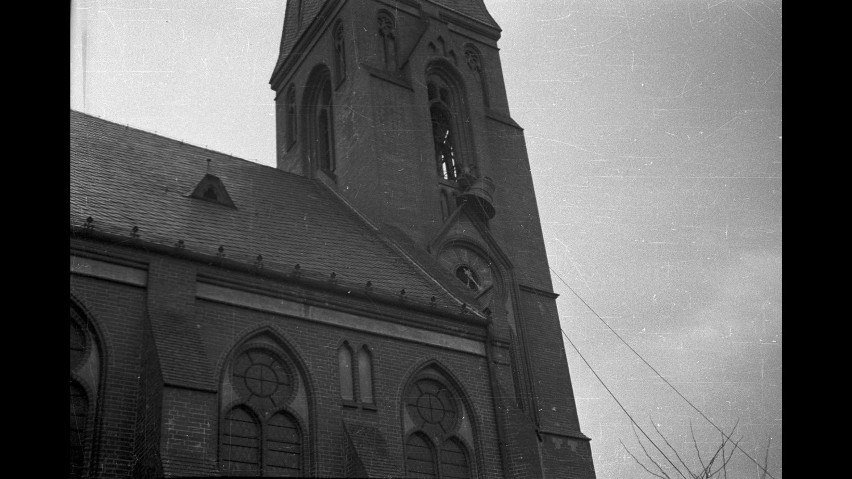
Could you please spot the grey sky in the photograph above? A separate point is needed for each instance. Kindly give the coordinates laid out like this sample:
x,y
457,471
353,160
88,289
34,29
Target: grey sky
x,y
654,136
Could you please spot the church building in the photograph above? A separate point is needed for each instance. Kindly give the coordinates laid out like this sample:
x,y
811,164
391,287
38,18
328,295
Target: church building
x,y
378,305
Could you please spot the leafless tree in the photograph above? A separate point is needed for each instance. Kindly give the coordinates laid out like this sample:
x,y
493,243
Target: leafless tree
x,y
668,463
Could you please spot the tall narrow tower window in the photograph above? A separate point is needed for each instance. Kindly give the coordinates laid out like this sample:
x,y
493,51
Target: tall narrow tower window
x,y
387,38
319,115
339,53
443,129
443,138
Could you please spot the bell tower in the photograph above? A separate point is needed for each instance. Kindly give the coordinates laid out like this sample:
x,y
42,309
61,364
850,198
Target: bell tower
x,y
399,106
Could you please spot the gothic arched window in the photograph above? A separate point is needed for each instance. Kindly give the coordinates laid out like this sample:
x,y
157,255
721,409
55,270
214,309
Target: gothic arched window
x,y
449,121
365,375
292,117
320,120
339,53
344,359
437,425
258,434
387,40
85,364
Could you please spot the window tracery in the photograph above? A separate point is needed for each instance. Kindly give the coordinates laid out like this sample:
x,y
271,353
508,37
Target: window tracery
x,y
258,435
434,446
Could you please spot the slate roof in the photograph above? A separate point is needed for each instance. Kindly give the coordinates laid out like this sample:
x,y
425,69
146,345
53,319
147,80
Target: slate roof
x,y
473,9
124,177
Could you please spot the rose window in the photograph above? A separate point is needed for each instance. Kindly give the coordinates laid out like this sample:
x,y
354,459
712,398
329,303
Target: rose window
x,y
262,379
432,406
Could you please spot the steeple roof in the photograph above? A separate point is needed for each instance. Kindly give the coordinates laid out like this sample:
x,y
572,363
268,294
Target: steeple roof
x,y
293,28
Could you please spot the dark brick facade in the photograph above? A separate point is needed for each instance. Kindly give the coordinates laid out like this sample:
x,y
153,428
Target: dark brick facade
x,y
177,287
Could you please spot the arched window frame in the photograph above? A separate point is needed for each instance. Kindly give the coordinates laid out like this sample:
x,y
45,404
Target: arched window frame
x,y
264,417
438,437
339,52
346,368
90,385
318,121
366,388
387,40
361,376
448,110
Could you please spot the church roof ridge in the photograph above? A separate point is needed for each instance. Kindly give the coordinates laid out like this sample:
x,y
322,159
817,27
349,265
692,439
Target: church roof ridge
x,y
136,183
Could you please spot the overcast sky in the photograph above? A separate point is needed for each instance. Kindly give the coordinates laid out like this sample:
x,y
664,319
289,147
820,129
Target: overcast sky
x,y
654,136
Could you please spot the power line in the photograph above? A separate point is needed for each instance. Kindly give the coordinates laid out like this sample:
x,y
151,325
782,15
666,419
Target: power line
x,y
619,403
652,369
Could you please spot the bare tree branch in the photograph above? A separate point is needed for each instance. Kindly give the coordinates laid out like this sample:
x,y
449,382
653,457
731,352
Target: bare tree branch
x,y
650,457
667,443
643,465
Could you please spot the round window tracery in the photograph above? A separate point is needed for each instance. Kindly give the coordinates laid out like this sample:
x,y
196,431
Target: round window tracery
x,y
262,378
432,406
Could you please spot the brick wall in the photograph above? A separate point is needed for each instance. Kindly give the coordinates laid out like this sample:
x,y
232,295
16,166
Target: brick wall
x,y
393,362
117,310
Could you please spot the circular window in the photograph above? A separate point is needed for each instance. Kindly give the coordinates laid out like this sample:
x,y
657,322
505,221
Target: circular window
x,y
262,378
432,406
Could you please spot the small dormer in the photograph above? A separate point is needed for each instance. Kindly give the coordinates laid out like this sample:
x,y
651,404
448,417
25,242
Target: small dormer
x,y
211,189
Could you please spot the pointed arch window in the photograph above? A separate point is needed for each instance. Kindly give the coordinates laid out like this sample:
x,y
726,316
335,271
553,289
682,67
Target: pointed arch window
x,y
320,121
258,435
339,42
449,121
344,359
356,376
365,375
85,373
436,424
387,40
